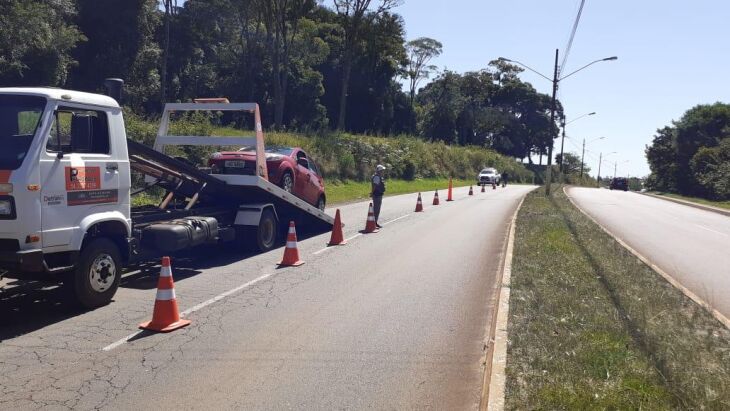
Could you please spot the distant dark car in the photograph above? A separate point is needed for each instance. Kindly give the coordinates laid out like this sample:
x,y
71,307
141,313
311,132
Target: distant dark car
x,y
289,167
619,183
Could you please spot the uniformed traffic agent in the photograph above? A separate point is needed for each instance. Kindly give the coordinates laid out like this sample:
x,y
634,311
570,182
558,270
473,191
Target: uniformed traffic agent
x,y
377,190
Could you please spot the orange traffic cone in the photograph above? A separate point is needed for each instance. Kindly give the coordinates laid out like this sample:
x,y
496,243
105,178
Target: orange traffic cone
x,y
291,253
337,238
436,198
494,185
483,188
165,315
471,192
451,188
419,204
370,226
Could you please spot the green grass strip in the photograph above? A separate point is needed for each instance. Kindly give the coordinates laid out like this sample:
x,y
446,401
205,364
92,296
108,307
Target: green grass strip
x,y
719,204
591,327
342,192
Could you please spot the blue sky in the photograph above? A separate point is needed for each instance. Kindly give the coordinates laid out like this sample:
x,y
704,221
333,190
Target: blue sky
x,y
673,55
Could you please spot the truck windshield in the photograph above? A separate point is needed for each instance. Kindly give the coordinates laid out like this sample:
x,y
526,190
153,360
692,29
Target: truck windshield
x,y
19,120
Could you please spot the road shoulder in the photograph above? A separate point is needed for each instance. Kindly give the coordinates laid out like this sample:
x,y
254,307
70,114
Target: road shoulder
x,y
691,204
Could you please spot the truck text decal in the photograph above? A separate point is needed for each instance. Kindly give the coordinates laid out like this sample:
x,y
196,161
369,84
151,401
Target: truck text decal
x,y
83,178
92,197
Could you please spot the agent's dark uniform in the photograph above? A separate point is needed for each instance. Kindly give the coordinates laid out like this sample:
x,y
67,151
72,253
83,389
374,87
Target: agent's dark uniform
x,y
505,176
378,189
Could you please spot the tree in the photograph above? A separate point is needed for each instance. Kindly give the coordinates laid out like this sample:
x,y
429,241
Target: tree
x,y
354,15
661,157
282,21
711,168
572,163
36,42
420,52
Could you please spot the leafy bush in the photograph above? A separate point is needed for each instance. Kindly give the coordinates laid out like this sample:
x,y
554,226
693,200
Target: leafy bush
x,y
343,156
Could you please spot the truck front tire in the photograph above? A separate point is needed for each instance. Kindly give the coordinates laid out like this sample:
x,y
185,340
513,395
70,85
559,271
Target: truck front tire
x,y
267,231
98,273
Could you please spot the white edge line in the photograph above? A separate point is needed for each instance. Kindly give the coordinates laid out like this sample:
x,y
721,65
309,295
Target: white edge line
x,y
496,379
195,308
228,293
671,280
318,252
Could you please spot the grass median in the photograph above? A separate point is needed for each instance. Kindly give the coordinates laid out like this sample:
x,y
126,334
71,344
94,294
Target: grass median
x,y
591,327
343,192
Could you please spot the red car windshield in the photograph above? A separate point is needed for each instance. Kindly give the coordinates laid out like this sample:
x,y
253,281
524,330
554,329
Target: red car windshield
x,y
286,151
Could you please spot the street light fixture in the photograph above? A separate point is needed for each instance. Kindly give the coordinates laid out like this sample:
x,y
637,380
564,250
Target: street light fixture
x,y
583,156
600,160
555,82
562,141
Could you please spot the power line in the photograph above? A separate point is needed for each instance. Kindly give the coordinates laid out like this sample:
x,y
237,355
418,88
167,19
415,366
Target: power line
x,y
572,37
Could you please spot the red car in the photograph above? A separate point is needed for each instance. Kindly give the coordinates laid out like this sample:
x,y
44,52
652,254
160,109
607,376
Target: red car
x,y
289,167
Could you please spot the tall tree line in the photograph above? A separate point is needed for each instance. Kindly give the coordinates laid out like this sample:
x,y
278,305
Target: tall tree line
x,y
692,155
311,66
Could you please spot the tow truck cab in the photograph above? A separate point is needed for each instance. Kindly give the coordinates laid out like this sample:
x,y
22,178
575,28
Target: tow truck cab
x,y
64,178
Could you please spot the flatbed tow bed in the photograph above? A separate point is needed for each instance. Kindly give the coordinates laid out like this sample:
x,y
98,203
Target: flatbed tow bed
x,y
65,205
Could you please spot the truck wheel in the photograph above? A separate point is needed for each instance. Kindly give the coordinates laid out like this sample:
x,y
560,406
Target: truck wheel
x,y
287,181
98,272
267,231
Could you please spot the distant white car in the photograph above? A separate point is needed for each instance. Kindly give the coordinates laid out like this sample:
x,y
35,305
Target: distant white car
x,y
489,176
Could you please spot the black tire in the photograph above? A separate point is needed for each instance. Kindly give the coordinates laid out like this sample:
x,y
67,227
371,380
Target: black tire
x,y
321,203
267,233
97,275
287,181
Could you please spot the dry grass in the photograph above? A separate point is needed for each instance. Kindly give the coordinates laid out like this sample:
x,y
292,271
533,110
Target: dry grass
x,y
591,327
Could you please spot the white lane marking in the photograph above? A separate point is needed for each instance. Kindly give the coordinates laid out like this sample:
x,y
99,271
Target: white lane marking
x,y
196,308
711,230
230,292
318,252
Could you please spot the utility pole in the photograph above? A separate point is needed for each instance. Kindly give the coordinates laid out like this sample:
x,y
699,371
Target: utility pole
x,y
583,157
548,174
600,160
562,143
615,166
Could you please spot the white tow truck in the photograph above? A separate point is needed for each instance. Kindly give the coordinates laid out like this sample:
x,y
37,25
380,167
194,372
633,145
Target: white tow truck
x,y
65,192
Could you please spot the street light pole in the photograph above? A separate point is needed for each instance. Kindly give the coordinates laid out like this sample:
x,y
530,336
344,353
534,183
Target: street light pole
x,y
562,142
555,81
583,158
549,174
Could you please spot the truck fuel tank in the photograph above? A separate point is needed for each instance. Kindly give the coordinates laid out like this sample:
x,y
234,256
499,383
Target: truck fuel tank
x,y
176,235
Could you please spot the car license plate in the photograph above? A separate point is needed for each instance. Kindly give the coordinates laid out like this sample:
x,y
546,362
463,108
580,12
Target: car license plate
x,y
236,164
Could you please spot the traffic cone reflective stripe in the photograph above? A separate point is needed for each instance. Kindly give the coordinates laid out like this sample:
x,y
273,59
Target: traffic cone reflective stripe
x,y
451,187
419,204
436,198
165,315
291,252
370,226
471,192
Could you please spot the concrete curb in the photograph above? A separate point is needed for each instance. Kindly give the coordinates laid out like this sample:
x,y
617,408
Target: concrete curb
x,y
671,280
496,356
691,204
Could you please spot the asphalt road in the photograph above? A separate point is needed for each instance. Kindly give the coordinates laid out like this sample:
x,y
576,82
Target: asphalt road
x,y
393,320
691,245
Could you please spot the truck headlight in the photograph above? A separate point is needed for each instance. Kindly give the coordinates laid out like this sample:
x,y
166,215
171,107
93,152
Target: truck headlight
x,y
7,208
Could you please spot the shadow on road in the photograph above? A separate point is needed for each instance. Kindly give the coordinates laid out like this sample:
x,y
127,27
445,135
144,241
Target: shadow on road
x,y
30,305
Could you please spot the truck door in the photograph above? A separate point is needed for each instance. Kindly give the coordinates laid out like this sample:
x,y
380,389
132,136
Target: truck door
x,y
79,174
